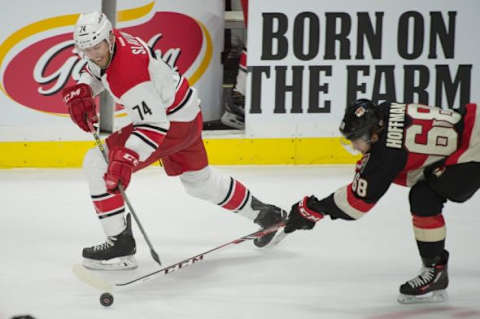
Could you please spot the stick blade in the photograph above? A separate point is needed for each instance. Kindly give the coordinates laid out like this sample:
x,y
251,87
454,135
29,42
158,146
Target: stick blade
x,y
155,257
91,279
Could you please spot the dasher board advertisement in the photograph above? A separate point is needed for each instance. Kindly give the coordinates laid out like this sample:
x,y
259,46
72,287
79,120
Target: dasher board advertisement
x,y
37,58
307,59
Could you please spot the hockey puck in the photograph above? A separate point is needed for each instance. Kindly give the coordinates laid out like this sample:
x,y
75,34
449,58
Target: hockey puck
x,y
106,299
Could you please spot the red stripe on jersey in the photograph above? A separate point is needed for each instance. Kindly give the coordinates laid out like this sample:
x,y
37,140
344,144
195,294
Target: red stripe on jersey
x,y
243,60
238,197
357,203
155,136
108,204
180,95
469,121
245,11
414,161
431,222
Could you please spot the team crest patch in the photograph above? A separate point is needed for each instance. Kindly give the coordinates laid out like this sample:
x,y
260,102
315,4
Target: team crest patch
x,y
360,111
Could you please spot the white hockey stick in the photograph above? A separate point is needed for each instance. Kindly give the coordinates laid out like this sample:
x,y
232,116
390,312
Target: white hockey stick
x,y
95,281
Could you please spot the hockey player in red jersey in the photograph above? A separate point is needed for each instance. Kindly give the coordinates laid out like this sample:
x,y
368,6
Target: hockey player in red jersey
x,y
166,124
434,151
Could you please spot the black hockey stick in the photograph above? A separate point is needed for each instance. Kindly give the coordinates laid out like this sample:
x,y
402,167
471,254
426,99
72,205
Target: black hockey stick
x,y
88,277
192,260
125,198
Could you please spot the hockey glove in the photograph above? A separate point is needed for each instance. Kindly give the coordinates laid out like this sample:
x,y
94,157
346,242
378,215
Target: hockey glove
x,y
81,105
120,168
302,216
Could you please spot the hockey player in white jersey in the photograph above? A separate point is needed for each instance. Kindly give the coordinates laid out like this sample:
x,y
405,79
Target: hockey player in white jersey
x,y
166,124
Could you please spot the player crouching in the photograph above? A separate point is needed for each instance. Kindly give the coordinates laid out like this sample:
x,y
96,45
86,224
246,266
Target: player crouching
x,y
434,151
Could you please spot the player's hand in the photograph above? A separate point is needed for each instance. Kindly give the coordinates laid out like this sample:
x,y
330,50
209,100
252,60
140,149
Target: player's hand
x,y
302,217
121,164
81,105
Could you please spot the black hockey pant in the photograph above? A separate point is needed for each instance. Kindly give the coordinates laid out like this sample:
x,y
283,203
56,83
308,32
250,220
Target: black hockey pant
x,y
456,183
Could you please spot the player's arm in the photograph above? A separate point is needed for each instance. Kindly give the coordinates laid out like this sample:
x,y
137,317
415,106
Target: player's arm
x,y
352,201
150,125
79,99
90,75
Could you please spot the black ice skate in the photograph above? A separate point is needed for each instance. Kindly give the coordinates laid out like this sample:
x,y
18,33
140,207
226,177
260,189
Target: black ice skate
x,y
234,115
430,285
116,253
268,216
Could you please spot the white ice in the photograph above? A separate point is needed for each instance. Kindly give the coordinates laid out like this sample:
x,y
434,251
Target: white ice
x,y
338,270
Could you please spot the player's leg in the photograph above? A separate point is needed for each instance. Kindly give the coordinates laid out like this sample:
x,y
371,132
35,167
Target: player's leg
x,y
201,181
457,182
244,4
118,250
234,115
240,85
232,195
430,233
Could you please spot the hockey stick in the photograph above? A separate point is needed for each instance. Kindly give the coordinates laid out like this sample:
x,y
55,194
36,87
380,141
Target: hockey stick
x,y
125,198
88,277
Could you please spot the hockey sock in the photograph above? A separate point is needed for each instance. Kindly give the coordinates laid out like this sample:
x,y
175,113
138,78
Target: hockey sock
x,y
241,82
236,198
110,209
430,233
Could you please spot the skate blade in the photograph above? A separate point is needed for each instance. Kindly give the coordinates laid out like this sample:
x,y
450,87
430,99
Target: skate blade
x,y
119,263
231,120
91,279
276,239
431,297
279,236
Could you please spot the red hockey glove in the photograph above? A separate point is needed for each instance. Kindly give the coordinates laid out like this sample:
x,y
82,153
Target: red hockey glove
x,y
301,216
120,168
81,106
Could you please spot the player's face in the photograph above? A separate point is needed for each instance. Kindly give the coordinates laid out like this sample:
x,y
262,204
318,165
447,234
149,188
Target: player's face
x,y
99,54
361,145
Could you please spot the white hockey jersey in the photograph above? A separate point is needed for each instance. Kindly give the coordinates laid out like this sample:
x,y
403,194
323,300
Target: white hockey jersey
x,y
152,93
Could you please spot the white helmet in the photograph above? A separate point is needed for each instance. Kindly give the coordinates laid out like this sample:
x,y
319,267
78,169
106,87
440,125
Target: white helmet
x,y
91,29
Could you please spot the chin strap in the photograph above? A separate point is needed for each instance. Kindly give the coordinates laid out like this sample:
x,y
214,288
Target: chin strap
x,y
111,48
111,45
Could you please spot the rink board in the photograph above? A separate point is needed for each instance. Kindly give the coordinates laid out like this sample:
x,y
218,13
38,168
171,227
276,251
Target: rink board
x,y
221,151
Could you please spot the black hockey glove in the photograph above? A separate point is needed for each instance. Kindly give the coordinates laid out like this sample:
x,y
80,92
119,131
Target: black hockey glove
x,y
302,216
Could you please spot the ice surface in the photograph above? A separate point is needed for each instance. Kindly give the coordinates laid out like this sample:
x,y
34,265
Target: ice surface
x,y
338,270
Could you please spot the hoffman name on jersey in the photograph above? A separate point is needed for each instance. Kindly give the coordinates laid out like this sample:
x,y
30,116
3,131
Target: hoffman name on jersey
x,y
396,123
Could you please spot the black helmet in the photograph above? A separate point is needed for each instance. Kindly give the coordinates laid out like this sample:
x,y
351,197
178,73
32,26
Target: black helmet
x,y
362,118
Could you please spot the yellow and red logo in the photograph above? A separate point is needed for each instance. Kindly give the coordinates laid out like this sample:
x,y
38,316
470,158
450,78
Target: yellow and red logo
x,y
33,76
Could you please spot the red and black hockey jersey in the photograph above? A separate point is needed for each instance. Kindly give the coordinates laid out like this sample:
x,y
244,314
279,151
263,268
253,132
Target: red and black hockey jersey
x,y
414,137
